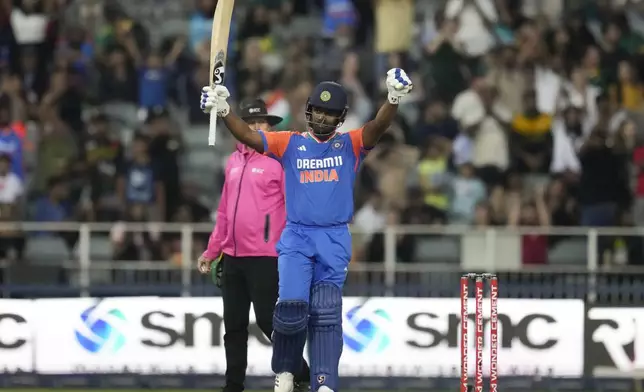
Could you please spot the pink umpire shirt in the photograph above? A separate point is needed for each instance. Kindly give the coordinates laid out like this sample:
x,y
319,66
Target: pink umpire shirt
x,y
251,213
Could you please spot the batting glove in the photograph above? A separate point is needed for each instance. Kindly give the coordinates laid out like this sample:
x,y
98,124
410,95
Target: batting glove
x,y
398,85
215,98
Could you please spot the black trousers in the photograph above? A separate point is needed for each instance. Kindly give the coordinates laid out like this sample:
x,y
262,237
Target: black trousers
x,y
247,280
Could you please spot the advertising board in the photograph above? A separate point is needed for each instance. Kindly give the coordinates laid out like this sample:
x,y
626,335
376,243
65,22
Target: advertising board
x,y
615,342
395,337
16,336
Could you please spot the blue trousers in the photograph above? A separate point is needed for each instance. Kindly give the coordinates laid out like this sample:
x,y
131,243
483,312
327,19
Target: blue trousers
x,y
311,255
312,266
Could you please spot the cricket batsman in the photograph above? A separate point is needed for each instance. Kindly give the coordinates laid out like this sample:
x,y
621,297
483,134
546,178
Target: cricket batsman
x,y
320,166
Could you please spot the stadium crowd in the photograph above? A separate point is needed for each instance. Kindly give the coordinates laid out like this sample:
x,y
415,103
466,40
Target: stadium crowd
x,y
523,113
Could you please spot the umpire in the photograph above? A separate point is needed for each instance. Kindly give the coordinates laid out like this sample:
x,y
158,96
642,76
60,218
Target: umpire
x,y
250,219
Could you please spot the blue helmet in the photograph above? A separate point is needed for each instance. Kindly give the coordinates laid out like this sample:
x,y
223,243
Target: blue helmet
x,y
326,108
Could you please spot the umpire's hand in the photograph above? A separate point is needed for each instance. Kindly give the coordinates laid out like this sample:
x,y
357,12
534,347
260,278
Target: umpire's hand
x,y
204,263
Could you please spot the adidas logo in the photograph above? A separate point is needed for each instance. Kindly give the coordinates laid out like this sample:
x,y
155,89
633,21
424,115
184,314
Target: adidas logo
x,y
302,148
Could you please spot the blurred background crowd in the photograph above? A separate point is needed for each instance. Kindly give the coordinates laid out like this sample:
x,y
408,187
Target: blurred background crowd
x,y
524,113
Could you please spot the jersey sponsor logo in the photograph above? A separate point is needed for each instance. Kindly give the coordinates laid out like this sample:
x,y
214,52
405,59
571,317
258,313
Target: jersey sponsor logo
x,y
319,169
615,342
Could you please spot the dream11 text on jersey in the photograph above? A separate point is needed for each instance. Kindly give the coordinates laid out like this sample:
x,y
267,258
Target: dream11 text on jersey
x,y
319,170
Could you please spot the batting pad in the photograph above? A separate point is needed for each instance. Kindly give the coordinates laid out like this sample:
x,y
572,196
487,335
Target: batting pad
x,y
290,320
325,335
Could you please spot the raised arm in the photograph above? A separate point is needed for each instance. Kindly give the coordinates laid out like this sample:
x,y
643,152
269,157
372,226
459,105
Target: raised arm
x,y
398,85
242,132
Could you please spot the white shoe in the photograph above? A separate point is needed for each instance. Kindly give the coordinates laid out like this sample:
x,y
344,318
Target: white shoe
x,y
284,382
324,388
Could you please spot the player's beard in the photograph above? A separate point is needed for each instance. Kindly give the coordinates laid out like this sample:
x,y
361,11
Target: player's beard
x,y
322,131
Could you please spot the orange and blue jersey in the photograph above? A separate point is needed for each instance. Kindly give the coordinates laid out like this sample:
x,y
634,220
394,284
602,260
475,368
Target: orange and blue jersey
x,y
319,176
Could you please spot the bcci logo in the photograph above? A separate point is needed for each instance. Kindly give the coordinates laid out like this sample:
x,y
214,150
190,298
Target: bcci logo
x,y
366,330
101,330
325,96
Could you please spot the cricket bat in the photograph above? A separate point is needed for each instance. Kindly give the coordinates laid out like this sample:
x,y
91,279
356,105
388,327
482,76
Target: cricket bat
x,y
218,52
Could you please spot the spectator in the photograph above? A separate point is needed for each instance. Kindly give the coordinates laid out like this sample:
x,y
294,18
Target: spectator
x,y
197,79
479,111
437,124
10,142
12,188
370,218
140,182
561,206
361,106
57,148
448,68
54,206
339,16
392,38
32,74
11,208
143,245
612,54
534,247
627,92
511,80
592,67
475,19
581,94
391,162
20,109
432,178
531,138
66,98
466,192
251,65
579,33
154,72
164,149
104,158
257,24
498,205
201,25
567,137
29,22
601,188
482,216
118,81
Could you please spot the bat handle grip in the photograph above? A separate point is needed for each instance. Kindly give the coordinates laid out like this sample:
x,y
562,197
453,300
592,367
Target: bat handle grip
x,y
212,127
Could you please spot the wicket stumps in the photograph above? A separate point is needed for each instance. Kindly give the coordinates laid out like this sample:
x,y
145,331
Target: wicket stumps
x,y
479,280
